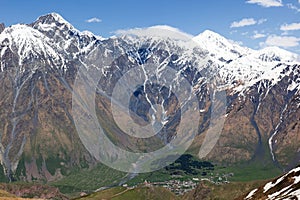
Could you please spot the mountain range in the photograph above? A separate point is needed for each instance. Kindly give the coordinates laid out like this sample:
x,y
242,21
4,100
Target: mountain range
x,y
38,69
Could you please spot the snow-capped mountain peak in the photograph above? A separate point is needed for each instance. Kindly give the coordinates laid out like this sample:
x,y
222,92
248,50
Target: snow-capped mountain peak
x,y
274,53
51,20
227,50
54,27
58,18
220,47
36,40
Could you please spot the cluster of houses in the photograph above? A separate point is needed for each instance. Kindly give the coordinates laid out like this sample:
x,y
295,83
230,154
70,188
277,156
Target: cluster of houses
x,y
180,187
176,186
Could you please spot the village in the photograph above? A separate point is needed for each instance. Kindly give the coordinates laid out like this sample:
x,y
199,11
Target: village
x,y
179,186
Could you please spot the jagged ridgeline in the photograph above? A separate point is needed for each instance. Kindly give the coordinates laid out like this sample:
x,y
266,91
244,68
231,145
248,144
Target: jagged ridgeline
x,y
39,64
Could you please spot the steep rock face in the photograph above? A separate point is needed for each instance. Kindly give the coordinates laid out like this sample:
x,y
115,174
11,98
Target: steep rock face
x,y
2,27
39,64
37,128
259,120
262,90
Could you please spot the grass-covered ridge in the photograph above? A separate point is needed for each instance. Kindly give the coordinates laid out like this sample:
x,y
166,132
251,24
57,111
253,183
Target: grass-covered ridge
x,y
142,192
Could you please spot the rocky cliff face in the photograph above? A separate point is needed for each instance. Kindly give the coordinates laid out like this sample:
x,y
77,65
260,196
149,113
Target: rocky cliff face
x,y
2,27
36,78
39,64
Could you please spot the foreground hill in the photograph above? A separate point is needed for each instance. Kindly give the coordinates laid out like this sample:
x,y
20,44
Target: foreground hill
x,y
155,193
284,187
33,191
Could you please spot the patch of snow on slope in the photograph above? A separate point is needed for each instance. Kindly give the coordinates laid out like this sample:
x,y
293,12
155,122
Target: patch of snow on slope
x,y
249,196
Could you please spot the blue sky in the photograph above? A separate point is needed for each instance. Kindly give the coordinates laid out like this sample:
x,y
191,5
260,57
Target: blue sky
x,y
253,23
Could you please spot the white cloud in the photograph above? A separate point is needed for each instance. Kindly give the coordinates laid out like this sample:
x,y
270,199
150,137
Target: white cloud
x,y
246,22
266,3
290,27
291,6
261,21
93,20
258,35
160,31
243,22
281,41
285,33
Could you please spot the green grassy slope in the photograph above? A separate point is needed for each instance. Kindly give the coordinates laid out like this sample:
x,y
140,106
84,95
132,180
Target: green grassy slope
x,y
120,193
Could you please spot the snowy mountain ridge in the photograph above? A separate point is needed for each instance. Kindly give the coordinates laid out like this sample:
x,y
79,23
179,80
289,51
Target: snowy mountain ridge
x,y
248,66
27,42
53,37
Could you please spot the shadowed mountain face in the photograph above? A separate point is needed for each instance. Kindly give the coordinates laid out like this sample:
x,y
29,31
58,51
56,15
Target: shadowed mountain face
x,y
40,62
2,27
